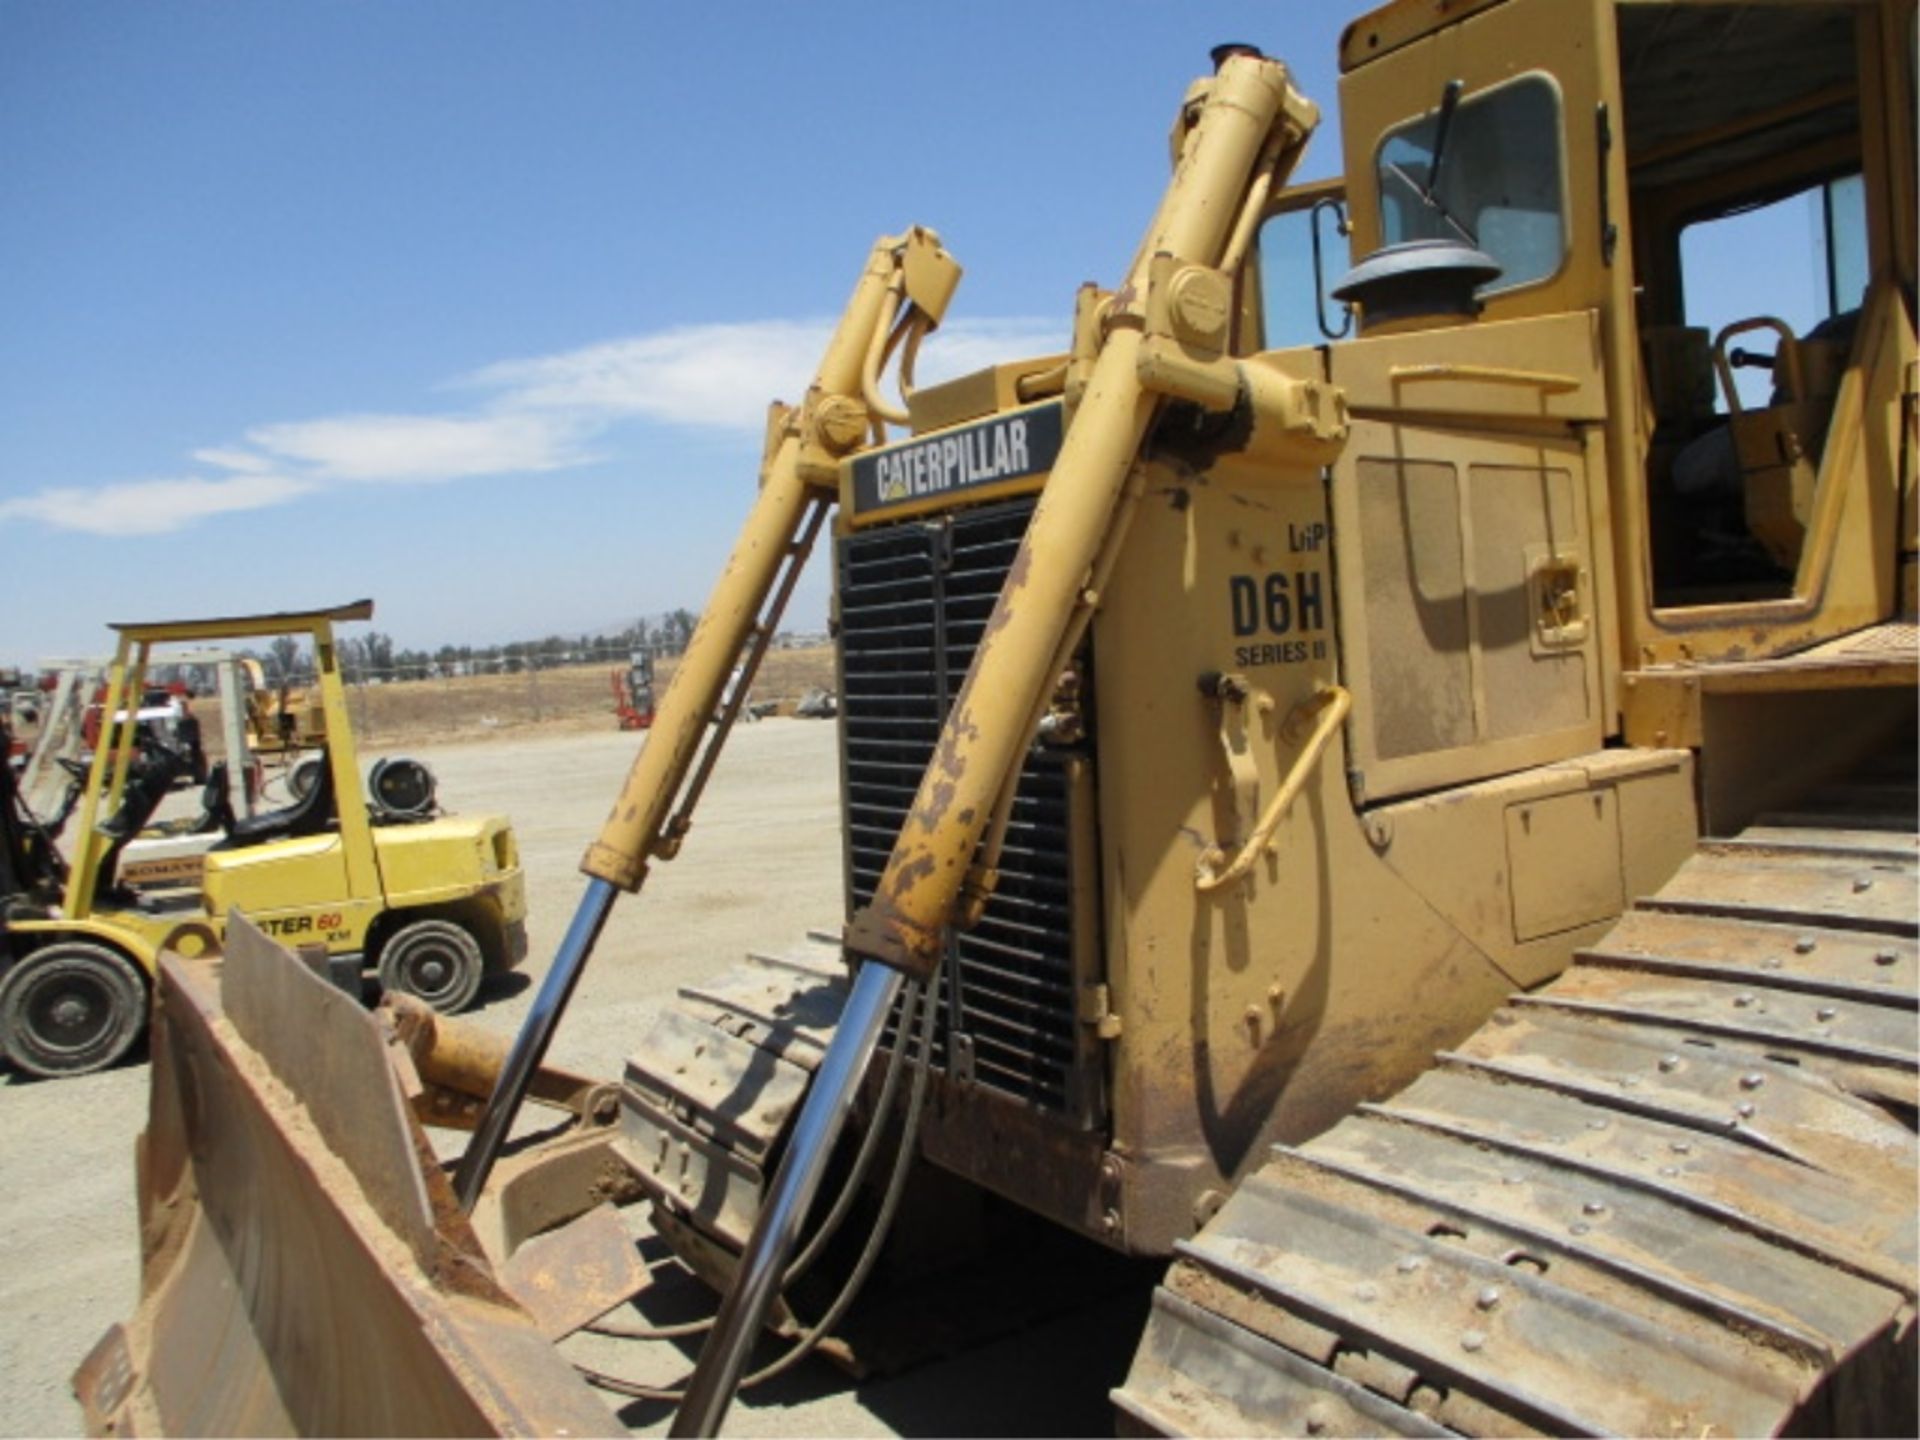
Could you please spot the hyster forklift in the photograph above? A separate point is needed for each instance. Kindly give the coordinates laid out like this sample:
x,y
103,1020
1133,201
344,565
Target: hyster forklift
x,y
430,903
1413,830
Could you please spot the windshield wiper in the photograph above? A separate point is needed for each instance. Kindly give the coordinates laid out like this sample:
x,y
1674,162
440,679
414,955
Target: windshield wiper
x,y
1429,193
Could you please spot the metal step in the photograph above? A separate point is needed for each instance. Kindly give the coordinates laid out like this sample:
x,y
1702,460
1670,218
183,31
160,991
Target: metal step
x,y
1670,1193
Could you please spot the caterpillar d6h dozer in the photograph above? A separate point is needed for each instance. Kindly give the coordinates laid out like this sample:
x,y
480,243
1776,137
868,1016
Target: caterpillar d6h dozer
x,y
1415,829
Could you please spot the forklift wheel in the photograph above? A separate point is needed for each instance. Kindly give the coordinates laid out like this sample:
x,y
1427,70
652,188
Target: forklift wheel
x,y
435,961
71,1008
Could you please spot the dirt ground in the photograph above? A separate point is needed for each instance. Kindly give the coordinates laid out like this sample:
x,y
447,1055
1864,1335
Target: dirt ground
x,y
760,867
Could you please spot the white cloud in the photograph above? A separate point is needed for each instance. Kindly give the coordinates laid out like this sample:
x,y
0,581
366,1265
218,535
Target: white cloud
x,y
723,375
245,461
540,415
150,507
414,448
711,375
962,346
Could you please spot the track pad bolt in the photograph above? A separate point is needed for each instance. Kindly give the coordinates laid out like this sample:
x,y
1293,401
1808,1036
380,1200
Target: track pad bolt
x,y
1207,1206
1488,1298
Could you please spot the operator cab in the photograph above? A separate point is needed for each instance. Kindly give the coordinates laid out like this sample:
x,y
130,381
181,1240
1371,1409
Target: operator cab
x,y
1750,241
1713,189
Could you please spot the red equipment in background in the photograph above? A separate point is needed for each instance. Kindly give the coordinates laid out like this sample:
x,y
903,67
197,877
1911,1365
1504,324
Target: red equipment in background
x,y
633,693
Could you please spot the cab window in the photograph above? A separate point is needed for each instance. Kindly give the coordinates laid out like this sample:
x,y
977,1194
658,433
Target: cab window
x,y
1303,254
1805,254
1499,186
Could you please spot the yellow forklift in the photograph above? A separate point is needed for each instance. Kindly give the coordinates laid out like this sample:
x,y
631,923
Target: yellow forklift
x,y
432,903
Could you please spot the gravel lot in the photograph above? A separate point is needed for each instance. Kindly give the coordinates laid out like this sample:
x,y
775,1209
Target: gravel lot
x,y
761,866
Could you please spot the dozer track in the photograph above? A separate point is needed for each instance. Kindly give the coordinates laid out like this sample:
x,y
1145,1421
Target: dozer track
x,y
712,1089
1672,1193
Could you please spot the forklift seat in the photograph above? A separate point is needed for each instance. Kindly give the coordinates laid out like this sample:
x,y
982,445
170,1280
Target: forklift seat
x,y
150,778
311,814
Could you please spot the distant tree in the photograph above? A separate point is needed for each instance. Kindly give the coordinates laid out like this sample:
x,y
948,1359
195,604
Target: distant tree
x,y
376,651
284,659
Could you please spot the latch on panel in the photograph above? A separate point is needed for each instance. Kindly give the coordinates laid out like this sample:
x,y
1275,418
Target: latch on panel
x,y
1557,584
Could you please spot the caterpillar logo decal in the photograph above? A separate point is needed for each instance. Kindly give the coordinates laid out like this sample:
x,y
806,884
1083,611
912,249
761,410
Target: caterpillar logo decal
x,y
921,473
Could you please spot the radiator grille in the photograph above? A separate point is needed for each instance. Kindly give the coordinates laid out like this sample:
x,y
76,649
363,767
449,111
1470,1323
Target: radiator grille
x,y
914,599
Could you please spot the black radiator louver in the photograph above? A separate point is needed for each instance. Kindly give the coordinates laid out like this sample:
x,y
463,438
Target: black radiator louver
x,y
914,600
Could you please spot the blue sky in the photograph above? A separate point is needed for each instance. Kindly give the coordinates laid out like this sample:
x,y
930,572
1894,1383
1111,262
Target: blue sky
x,y
476,308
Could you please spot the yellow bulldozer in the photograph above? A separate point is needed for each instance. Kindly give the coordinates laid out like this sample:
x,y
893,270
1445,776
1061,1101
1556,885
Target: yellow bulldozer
x,y
1413,827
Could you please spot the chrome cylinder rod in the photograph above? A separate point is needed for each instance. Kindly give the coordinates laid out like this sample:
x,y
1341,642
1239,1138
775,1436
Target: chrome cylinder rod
x,y
764,1262
530,1045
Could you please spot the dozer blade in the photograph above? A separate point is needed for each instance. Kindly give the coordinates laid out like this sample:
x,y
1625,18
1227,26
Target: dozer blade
x,y
305,1268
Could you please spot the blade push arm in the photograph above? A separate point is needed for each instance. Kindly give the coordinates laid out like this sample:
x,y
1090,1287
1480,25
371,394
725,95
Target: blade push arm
x,y
803,462
908,276
1250,128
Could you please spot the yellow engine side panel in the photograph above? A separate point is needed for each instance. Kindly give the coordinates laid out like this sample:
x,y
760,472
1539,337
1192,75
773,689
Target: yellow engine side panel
x,y
1263,1011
